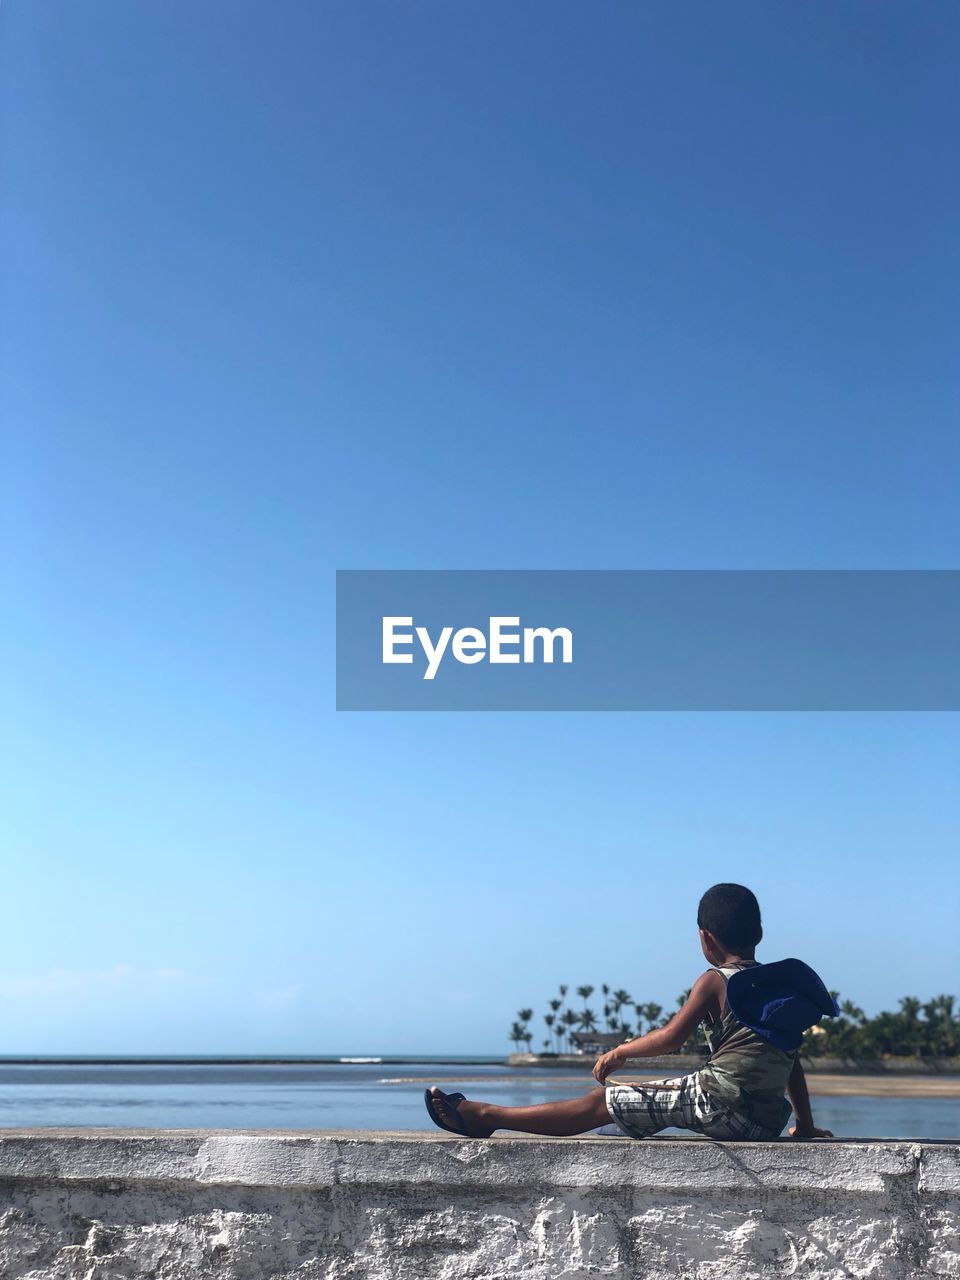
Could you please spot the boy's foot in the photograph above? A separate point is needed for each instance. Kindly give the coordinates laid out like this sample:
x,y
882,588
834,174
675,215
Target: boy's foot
x,y
455,1113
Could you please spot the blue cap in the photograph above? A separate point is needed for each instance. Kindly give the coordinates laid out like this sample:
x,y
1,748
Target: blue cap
x,y
780,1001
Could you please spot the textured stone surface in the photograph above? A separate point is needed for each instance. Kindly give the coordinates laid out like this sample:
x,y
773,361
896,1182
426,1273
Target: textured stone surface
x,y
90,1204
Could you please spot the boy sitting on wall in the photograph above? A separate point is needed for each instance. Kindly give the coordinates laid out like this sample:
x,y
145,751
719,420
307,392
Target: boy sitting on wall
x,y
754,1016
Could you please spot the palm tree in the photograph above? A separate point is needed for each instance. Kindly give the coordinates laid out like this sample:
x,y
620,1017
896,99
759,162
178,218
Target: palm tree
x,y
608,1009
563,989
570,1020
516,1035
652,1012
588,1020
941,1029
525,1015
549,1019
619,999
585,993
647,1013
555,1007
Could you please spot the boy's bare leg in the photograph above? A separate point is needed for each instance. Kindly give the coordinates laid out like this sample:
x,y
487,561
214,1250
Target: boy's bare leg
x,y
554,1119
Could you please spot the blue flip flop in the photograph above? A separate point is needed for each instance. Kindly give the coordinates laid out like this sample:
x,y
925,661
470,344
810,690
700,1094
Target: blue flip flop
x,y
452,1101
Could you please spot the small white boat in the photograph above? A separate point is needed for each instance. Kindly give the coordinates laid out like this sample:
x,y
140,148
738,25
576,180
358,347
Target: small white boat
x,y
361,1059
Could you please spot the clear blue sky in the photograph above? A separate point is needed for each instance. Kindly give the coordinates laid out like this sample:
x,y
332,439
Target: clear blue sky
x,y
292,287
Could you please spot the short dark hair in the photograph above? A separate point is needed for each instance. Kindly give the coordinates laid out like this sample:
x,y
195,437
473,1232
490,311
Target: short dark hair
x,y
732,914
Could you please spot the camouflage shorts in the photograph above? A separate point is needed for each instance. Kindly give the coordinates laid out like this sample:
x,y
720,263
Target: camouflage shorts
x,y
647,1107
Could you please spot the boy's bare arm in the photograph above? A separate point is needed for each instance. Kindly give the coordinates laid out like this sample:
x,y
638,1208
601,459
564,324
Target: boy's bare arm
x,y
703,995
800,1101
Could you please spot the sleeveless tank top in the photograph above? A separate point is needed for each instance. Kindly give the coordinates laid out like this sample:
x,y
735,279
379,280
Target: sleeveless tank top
x,y
744,1070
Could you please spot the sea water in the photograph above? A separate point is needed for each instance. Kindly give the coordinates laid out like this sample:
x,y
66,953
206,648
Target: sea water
x,y
293,1094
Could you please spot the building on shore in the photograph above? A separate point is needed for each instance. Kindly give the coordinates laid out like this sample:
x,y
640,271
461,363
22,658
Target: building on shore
x,y
594,1042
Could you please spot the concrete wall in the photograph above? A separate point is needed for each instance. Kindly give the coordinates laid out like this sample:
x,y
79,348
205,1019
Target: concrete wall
x,y
99,1204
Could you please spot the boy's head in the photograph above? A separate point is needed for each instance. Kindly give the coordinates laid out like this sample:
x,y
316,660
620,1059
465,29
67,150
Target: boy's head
x,y
729,919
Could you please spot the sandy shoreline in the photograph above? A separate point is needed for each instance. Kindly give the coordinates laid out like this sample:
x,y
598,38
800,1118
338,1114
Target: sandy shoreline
x,y
823,1086
829,1086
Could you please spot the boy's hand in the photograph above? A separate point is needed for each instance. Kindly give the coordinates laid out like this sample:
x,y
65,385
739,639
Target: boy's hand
x,y
803,1133
606,1063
